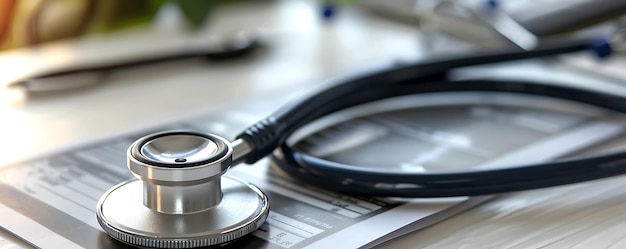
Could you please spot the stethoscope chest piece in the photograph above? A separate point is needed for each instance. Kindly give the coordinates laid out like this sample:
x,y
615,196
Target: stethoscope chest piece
x,y
181,199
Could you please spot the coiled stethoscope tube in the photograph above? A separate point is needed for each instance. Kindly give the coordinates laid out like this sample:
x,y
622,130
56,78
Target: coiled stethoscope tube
x,y
356,180
180,173
425,78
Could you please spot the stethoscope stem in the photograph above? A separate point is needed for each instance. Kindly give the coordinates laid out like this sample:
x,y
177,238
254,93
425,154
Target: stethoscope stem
x,y
241,149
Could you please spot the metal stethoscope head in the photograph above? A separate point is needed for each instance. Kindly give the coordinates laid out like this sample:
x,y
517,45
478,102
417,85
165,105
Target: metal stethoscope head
x,y
180,198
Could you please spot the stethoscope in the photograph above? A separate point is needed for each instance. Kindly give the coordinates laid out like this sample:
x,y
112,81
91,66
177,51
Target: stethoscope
x,y
182,198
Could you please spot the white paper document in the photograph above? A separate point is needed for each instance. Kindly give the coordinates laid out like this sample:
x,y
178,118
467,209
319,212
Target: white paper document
x,y
50,202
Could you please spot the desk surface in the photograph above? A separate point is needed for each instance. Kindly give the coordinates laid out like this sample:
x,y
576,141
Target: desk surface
x,y
301,52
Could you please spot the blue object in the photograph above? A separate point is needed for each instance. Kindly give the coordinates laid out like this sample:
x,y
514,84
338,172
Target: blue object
x,y
602,48
492,4
328,11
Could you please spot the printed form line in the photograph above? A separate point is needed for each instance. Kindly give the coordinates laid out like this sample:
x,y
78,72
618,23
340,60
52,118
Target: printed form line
x,y
328,199
299,196
299,226
77,211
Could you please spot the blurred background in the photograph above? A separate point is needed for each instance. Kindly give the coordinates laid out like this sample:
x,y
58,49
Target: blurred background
x,y
31,22
126,32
